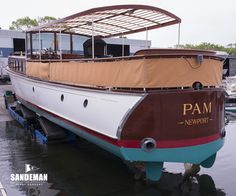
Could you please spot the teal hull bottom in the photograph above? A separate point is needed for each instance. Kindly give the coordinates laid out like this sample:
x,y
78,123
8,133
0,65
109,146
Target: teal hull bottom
x,y
204,155
191,154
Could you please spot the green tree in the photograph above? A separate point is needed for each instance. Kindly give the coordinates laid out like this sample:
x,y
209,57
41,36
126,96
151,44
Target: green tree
x,y
45,19
26,22
230,49
23,23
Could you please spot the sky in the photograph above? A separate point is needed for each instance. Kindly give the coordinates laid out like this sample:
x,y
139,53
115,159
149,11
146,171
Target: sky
x,y
202,20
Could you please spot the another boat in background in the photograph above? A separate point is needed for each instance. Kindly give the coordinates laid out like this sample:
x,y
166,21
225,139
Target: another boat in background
x,y
229,76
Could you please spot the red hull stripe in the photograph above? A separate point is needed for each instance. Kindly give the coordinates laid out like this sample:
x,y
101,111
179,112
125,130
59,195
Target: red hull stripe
x,y
132,143
172,143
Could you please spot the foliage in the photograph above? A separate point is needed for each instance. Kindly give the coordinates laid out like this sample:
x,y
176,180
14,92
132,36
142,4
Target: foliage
x,y
230,49
23,23
45,19
26,22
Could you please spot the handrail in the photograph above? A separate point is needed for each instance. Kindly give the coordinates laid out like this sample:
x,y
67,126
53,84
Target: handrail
x,y
143,56
17,63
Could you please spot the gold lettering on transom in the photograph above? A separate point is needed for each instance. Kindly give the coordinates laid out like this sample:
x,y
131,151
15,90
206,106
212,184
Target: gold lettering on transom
x,y
197,108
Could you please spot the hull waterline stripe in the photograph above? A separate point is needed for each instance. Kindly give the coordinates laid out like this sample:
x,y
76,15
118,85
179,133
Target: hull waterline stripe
x,y
131,143
172,143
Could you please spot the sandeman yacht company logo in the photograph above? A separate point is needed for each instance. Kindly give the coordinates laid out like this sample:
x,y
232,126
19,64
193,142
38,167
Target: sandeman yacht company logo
x,y
30,176
29,168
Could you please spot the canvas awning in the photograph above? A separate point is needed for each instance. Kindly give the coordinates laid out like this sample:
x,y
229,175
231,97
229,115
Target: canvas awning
x,y
111,21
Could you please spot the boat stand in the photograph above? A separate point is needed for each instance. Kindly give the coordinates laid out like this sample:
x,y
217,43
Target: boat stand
x,y
40,128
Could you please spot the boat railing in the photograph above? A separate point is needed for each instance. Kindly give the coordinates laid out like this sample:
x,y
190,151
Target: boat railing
x,y
110,59
17,63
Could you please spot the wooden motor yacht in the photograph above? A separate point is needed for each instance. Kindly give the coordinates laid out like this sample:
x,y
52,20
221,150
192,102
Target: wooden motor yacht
x,y
155,106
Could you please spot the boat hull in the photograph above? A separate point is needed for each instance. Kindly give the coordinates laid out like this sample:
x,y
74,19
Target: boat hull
x,y
115,121
103,112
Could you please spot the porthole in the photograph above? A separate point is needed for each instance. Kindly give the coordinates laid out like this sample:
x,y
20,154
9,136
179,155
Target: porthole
x,y
85,103
62,97
33,89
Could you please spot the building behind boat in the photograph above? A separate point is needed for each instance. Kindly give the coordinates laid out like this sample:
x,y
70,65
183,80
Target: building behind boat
x,y
10,42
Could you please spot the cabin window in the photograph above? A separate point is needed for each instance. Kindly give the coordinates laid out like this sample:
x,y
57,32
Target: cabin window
x,y
41,44
35,42
78,44
65,43
71,46
47,41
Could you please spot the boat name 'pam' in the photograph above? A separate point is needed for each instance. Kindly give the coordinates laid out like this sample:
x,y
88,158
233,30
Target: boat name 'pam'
x,y
196,108
29,177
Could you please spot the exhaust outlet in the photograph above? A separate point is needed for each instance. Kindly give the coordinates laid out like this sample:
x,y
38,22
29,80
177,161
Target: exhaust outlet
x,y
148,144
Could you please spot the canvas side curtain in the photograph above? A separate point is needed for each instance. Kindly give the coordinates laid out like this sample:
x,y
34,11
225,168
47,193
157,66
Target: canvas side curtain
x,y
139,73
